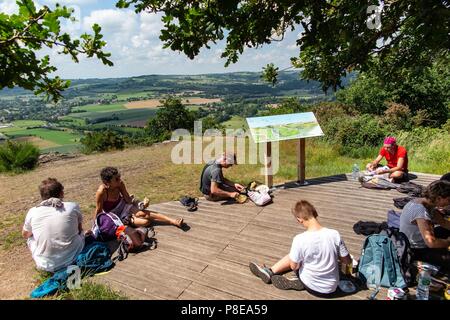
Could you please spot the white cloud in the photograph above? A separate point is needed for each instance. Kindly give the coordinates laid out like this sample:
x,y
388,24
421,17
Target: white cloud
x,y
112,21
9,6
133,40
71,2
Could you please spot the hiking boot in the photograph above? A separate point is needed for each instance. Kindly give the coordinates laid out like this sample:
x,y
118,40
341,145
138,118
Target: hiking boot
x,y
264,273
285,283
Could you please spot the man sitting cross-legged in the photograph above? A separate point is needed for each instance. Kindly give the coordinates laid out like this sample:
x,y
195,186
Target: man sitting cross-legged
x,y
53,229
214,185
313,257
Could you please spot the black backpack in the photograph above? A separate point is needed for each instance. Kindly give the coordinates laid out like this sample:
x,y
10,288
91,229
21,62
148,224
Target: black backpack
x,y
367,228
404,253
401,202
411,188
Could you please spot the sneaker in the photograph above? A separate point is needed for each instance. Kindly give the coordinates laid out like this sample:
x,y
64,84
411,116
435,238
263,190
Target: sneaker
x,y
285,283
261,272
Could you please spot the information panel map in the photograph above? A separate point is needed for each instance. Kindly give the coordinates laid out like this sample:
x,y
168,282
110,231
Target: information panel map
x,y
284,127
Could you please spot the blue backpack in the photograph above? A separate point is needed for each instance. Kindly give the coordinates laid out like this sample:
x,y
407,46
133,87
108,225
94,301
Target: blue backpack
x,y
379,264
94,258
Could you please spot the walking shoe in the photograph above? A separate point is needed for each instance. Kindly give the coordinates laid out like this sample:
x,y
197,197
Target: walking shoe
x,y
284,283
263,273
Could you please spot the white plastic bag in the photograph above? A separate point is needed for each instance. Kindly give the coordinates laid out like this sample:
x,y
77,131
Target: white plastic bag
x,y
259,198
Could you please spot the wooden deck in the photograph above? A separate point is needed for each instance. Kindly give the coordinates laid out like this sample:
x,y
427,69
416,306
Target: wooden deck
x,y
210,261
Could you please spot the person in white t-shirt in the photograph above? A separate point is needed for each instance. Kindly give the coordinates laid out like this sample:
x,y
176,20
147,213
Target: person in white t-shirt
x,y
314,256
53,229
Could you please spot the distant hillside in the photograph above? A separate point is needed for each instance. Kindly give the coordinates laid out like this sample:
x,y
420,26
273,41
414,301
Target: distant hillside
x,y
236,83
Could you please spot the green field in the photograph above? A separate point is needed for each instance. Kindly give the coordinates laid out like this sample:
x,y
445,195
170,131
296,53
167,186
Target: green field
x,y
101,107
127,116
236,122
58,137
142,94
70,148
21,125
72,120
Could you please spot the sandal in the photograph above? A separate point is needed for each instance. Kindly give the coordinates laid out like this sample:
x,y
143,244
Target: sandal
x,y
179,223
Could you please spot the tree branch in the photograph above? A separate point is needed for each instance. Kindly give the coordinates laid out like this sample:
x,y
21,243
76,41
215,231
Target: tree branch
x,y
18,34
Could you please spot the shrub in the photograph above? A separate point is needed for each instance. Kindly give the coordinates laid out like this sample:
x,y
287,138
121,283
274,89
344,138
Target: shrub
x,y
355,136
366,93
397,115
18,156
102,141
327,111
446,126
428,148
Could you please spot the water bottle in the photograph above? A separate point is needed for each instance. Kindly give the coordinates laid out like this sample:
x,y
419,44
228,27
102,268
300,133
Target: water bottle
x,y
424,280
423,286
355,172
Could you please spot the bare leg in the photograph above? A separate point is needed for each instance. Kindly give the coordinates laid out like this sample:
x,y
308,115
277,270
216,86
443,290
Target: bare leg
x,y
282,266
157,217
398,176
140,222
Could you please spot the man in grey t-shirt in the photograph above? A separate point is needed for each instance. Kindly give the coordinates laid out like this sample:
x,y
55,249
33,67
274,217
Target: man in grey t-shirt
x,y
214,185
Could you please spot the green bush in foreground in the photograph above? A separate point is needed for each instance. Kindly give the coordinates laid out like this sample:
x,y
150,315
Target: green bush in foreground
x,y
18,156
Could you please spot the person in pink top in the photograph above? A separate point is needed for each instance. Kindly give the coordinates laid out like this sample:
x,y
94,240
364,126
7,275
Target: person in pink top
x,y
397,161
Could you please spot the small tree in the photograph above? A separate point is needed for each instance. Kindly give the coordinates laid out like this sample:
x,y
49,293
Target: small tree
x,y
171,116
18,156
102,141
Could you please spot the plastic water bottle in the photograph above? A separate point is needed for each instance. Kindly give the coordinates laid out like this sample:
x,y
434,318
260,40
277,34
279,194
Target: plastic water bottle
x,y
424,281
355,172
423,286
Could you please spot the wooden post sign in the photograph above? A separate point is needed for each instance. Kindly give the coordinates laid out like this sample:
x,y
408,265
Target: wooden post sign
x,y
296,126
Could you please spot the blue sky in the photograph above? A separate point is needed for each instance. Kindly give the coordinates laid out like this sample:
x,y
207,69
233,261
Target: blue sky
x,y
133,40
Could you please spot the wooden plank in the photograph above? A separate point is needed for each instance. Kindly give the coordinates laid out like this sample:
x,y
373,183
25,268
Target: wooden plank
x,y
200,292
210,261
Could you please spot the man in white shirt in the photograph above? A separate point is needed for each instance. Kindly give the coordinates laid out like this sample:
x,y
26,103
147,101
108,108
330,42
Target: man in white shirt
x,y
53,229
314,256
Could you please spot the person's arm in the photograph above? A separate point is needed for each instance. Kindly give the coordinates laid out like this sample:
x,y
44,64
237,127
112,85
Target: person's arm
x,y
399,166
80,220
375,162
294,265
438,218
99,196
215,190
26,234
345,260
344,255
238,186
427,232
26,229
126,196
